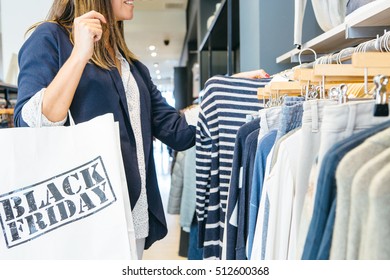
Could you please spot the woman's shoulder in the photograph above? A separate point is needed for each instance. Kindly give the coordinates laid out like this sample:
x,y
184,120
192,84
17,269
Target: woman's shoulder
x,y
45,36
140,66
142,70
47,27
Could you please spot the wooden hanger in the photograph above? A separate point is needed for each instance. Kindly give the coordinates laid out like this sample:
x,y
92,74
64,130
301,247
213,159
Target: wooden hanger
x,y
371,60
364,67
292,88
347,72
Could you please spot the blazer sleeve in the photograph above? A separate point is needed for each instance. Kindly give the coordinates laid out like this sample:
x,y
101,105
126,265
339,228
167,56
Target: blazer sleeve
x,y
38,63
167,124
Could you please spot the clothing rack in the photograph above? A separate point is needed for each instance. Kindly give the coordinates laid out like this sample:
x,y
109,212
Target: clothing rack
x,y
335,68
362,64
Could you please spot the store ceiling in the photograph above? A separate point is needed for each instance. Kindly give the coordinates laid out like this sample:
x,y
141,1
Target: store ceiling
x,y
157,22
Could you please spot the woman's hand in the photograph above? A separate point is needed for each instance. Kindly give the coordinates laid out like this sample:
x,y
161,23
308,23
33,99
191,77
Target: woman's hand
x,y
87,29
255,74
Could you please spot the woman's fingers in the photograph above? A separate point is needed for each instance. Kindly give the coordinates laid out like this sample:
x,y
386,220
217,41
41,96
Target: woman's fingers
x,y
262,74
87,30
93,15
255,74
94,27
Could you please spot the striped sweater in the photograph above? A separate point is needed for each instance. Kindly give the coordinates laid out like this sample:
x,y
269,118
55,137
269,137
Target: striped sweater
x,y
223,110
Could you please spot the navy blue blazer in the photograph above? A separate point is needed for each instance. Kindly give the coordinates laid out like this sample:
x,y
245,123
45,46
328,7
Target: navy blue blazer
x,y
99,92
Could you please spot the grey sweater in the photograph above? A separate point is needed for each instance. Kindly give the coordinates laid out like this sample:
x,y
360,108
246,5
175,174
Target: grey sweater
x,y
176,190
376,238
345,174
360,203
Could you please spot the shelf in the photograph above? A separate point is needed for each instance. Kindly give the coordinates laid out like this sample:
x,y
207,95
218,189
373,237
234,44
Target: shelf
x,y
190,40
10,88
216,36
376,14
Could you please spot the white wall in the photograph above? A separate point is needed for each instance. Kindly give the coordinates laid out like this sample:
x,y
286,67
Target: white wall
x,y
16,17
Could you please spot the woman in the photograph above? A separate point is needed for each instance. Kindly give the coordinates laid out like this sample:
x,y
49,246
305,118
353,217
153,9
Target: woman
x,y
78,60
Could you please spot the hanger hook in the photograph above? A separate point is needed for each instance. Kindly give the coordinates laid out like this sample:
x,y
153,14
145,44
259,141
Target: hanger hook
x,y
381,81
343,89
381,108
306,49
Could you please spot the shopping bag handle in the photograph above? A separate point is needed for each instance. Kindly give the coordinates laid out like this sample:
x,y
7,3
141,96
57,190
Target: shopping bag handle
x,y
39,112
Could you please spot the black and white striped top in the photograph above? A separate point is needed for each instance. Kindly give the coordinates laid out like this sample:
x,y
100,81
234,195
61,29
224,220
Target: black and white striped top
x,y
223,110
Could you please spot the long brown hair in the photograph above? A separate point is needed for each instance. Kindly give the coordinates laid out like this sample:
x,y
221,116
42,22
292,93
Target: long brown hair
x,y
64,12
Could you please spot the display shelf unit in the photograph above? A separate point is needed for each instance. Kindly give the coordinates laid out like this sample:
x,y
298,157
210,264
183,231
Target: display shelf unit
x,y
363,24
213,47
217,36
220,41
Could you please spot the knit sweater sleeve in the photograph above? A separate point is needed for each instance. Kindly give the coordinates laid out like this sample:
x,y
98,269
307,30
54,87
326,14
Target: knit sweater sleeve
x,y
203,170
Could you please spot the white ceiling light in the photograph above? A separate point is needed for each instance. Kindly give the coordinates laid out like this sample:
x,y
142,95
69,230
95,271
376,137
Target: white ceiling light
x,y
153,54
152,48
158,77
155,64
158,72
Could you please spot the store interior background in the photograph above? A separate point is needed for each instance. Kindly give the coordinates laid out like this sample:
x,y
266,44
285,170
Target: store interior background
x,y
184,36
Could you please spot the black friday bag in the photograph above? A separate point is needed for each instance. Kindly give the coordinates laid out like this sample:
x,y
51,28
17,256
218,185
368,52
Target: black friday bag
x,y
63,193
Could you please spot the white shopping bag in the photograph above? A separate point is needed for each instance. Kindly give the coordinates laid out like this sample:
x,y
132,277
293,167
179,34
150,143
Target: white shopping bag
x,y
63,193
